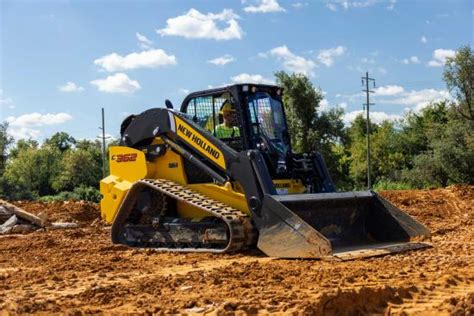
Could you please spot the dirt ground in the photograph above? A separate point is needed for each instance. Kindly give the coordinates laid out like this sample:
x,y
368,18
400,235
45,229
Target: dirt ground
x,y
80,271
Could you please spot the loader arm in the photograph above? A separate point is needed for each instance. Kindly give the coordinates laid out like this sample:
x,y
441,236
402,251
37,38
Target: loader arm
x,y
205,151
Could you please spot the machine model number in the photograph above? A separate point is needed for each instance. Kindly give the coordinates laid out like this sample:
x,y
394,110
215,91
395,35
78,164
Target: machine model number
x,y
124,157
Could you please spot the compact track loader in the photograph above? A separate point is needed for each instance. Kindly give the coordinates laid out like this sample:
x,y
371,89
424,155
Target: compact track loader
x,y
220,176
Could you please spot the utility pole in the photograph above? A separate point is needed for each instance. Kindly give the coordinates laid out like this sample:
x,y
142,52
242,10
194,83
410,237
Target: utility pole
x,y
103,143
366,80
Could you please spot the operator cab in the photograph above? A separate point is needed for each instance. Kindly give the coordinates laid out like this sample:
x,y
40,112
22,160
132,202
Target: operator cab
x,y
244,116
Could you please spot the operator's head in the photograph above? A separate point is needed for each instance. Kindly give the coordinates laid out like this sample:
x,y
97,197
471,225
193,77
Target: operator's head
x,y
228,114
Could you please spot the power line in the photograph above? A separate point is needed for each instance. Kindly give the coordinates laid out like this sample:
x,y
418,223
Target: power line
x,y
367,105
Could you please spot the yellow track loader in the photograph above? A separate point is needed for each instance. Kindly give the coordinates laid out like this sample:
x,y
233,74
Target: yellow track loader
x,y
220,175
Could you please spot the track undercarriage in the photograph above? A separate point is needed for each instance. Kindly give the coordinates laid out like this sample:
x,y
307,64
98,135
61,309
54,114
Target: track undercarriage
x,y
148,219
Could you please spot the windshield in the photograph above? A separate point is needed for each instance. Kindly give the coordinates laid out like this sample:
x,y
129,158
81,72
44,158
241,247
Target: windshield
x,y
266,115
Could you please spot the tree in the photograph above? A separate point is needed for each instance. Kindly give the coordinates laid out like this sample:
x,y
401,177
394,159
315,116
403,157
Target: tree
x,y
459,77
416,131
61,140
331,139
357,148
22,145
78,168
5,141
301,101
32,172
445,151
311,129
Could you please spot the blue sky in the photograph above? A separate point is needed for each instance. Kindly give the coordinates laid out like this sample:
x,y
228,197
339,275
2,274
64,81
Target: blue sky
x,y
61,61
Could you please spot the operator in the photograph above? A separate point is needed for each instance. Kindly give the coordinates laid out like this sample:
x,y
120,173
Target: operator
x,y
228,128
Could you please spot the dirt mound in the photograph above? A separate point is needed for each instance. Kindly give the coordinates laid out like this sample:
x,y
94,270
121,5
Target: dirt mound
x,y
80,271
441,209
82,212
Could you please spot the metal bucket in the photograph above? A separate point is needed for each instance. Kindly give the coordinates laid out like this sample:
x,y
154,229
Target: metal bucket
x,y
343,225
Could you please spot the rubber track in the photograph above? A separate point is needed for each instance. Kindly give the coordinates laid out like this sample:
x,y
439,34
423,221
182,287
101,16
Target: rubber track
x,y
242,232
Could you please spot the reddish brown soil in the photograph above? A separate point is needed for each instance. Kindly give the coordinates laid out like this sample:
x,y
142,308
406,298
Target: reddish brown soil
x,y
79,271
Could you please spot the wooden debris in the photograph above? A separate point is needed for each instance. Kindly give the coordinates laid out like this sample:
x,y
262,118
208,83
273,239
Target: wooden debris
x,y
53,226
23,229
5,214
18,221
6,227
21,213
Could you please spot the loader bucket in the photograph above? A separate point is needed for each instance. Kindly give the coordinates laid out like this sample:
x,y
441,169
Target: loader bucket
x,y
342,226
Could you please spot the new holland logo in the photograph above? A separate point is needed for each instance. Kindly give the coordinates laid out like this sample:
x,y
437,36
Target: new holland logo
x,y
196,139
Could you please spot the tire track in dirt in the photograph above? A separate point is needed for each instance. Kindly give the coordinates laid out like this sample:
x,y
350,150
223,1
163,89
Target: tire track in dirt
x,y
435,299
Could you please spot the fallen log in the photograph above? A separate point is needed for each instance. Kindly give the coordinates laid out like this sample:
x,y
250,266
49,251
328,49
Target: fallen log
x,y
23,229
7,227
54,226
5,214
21,213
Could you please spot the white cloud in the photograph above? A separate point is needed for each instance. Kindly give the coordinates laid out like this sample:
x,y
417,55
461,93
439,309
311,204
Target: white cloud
x,y
382,70
248,78
411,60
389,90
293,62
144,42
299,5
146,59
419,98
397,95
117,83
70,87
331,6
184,91
335,5
6,102
323,105
221,61
424,40
439,57
143,38
391,4
343,105
26,125
326,56
194,24
366,60
375,116
264,6
108,137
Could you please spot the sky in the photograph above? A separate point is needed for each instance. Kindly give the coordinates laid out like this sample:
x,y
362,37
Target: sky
x,y
62,61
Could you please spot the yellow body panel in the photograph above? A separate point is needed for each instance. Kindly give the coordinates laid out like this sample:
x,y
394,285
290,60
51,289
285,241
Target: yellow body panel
x,y
113,190
127,165
170,167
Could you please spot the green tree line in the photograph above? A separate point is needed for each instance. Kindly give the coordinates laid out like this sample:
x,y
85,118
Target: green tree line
x,y
430,148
